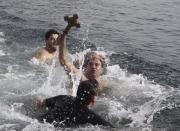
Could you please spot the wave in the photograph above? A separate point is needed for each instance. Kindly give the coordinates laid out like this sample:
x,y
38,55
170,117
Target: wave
x,y
160,73
11,17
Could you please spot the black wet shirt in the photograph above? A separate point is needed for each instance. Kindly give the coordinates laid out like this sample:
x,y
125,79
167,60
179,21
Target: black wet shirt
x,y
65,112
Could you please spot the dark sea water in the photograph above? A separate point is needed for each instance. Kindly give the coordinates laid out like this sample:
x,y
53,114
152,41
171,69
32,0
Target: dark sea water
x,y
140,37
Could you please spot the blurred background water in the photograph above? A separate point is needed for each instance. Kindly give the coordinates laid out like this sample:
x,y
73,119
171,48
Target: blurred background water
x,y
140,37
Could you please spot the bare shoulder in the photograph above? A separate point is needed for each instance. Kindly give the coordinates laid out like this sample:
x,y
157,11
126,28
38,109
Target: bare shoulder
x,y
83,77
42,55
103,83
41,51
105,87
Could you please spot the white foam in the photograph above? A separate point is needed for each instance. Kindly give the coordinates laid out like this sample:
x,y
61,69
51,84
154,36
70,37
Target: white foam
x,y
112,110
5,126
9,113
132,83
2,40
11,74
36,126
1,34
34,61
2,53
131,96
55,83
76,77
141,98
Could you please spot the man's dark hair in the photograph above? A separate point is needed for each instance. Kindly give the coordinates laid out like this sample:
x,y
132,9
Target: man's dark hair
x,y
50,32
86,91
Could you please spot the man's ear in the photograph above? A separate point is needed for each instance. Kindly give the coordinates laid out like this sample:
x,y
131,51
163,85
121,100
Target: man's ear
x,y
92,103
93,100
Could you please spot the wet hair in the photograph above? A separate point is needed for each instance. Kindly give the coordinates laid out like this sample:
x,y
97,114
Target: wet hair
x,y
86,91
91,55
50,32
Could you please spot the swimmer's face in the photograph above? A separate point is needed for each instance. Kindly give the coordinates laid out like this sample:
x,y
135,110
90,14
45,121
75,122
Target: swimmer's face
x,y
94,68
52,40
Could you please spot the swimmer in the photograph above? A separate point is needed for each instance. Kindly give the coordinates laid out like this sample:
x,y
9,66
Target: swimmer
x,y
48,52
69,111
94,64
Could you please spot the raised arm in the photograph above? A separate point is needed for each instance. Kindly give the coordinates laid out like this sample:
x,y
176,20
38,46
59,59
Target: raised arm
x,y
63,52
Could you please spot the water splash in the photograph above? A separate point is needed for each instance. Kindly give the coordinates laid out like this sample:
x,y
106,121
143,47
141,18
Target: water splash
x,y
36,126
11,114
2,39
76,77
133,97
56,77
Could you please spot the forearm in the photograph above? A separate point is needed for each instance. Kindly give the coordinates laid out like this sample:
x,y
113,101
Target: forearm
x,y
64,53
64,57
66,30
